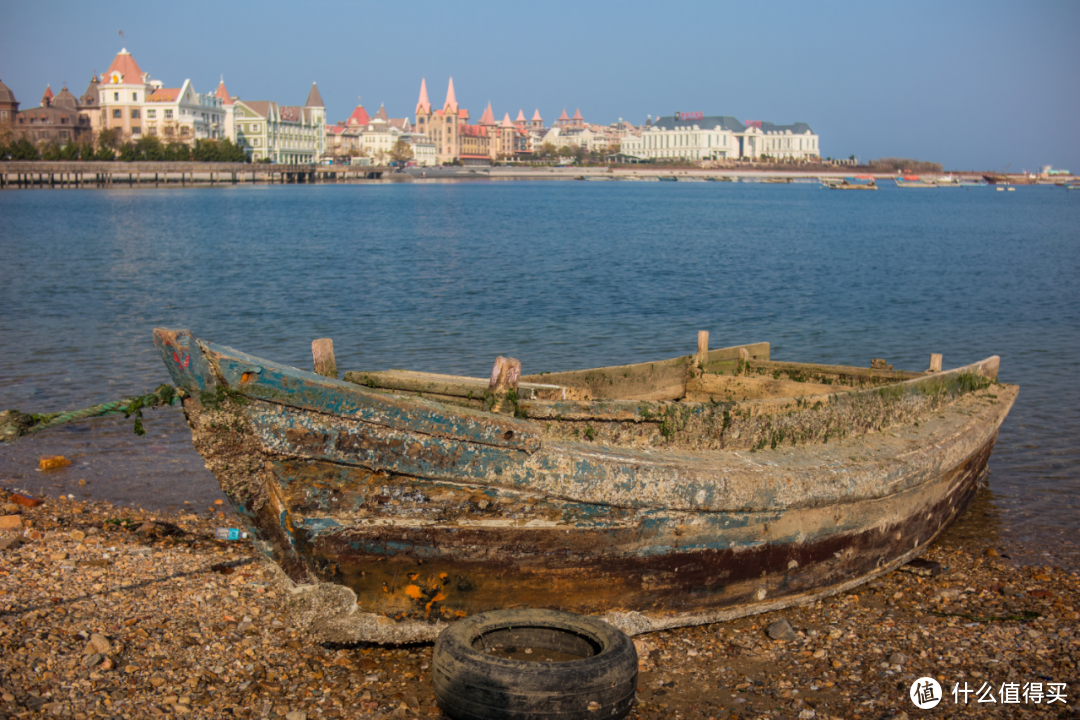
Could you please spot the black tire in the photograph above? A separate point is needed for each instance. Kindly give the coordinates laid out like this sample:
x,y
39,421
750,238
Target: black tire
x,y
472,685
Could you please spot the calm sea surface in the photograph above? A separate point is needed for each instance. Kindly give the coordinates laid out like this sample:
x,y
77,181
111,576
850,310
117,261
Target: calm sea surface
x,y
561,275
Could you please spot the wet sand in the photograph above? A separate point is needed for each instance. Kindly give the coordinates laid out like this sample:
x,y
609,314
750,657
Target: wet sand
x,y
116,612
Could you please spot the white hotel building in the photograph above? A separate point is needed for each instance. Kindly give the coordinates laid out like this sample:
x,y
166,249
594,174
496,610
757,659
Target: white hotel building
x,y
696,137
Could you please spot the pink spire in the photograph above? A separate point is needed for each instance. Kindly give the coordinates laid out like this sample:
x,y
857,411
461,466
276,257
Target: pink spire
x,y
521,116
506,121
536,116
577,114
564,116
223,94
488,118
423,104
47,98
451,99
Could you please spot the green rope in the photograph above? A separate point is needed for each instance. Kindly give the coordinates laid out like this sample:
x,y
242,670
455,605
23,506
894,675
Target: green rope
x,y
15,424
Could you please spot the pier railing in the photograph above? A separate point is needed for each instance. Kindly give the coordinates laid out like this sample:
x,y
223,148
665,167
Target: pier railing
x,y
74,174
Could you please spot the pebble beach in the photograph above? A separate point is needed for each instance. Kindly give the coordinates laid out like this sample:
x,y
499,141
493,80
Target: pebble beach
x,y
113,612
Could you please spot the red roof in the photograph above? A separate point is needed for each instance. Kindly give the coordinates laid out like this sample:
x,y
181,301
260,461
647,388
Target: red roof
x,y
223,94
488,118
123,70
577,114
164,95
564,116
536,116
359,116
48,96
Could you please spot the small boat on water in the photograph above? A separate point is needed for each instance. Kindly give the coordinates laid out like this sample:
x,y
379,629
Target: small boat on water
x,y
1002,179
846,184
655,495
912,181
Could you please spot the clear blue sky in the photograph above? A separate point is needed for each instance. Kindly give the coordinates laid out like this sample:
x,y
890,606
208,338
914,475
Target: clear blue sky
x,y
972,84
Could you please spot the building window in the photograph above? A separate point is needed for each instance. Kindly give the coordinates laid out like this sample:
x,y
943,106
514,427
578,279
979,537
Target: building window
x,y
151,113
116,97
117,114
134,113
152,130
135,130
134,97
168,114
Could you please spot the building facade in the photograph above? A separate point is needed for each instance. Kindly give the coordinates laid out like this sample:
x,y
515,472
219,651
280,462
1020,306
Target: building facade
x,y
282,133
57,120
133,105
693,137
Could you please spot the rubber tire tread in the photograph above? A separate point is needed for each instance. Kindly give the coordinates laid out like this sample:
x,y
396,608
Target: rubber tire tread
x,y
472,685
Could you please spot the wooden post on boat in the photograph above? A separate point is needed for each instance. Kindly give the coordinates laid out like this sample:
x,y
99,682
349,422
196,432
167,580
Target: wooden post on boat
x,y
504,378
935,362
322,352
702,348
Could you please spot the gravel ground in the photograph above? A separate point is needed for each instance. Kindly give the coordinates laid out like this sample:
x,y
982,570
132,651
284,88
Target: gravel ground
x,y
123,613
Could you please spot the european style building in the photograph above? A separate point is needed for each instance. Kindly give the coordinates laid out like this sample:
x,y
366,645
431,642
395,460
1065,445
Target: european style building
x,y
282,133
133,104
694,137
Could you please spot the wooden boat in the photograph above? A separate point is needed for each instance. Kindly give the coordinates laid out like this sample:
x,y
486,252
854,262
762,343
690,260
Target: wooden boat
x,y
913,181
655,495
834,184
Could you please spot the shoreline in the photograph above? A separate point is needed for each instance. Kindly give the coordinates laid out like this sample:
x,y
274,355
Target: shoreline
x,y
108,611
151,175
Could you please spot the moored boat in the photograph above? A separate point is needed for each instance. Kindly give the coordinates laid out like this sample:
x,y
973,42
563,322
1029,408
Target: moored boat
x,y
654,495
845,184
912,181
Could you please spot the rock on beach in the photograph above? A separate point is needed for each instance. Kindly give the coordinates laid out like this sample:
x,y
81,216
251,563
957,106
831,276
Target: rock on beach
x,y
110,612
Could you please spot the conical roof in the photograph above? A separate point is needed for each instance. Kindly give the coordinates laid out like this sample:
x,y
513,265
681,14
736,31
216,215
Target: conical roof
x,y
6,96
47,98
381,115
564,116
223,94
506,121
124,70
488,118
314,99
90,97
65,99
536,116
521,116
423,105
359,117
451,98
577,115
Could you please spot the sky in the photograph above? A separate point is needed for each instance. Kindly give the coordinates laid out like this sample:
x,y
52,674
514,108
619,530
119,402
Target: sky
x,y
974,85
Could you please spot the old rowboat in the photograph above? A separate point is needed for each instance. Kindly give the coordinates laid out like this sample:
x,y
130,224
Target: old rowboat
x,y
655,495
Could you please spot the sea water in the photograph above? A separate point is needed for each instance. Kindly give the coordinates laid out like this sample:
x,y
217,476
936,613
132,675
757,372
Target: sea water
x,y
444,277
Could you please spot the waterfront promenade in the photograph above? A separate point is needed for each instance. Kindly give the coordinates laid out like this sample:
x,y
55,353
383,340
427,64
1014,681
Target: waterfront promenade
x,y
47,174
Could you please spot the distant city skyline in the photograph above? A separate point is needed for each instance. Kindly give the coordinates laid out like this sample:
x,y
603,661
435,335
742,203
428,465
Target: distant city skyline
x,y
973,85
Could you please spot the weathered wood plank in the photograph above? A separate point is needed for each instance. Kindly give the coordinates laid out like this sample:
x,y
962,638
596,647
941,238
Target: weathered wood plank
x,y
322,352
812,370
265,380
660,380
455,385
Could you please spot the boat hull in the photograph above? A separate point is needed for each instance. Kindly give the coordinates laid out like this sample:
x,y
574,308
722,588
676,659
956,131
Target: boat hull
x,y
388,526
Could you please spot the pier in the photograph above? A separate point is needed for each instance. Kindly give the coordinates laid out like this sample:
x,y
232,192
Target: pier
x,y
78,174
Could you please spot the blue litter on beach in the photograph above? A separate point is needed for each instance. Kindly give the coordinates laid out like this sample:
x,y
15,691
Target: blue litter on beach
x,y
230,534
